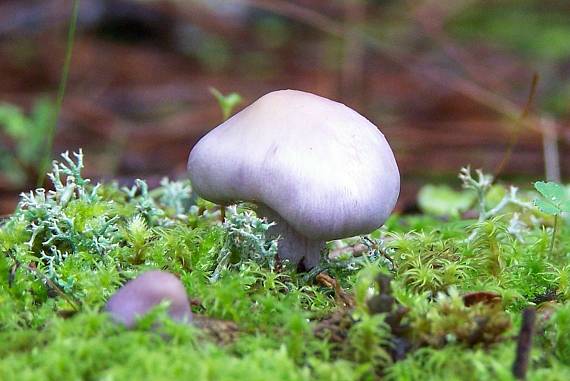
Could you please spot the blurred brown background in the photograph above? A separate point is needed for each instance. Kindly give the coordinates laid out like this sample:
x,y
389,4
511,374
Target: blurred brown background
x,y
447,81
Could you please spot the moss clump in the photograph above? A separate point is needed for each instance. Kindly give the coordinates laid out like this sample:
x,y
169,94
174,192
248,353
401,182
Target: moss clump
x,y
64,252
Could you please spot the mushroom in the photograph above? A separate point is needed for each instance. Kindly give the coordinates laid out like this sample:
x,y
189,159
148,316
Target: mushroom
x,y
140,295
315,167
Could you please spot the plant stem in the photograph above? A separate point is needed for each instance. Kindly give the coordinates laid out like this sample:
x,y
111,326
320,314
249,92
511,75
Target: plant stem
x,y
74,304
60,93
550,150
524,344
518,126
553,235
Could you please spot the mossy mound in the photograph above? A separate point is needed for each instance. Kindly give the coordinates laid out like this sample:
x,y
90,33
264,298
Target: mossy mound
x,y
448,305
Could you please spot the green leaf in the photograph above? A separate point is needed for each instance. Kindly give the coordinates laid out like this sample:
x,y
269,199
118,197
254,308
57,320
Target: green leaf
x,y
227,102
441,200
553,192
546,207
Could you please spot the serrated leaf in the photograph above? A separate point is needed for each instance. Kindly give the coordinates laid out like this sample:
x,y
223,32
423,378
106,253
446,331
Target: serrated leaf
x,y
553,192
546,207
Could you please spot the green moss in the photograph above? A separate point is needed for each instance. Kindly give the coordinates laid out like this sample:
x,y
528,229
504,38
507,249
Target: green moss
x,y
65,253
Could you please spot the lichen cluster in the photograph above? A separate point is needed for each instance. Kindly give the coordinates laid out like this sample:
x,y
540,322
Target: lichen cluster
x,y
448,306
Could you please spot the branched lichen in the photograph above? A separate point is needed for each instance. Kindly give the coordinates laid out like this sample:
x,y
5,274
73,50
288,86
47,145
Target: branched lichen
x,y
245,239
144,204
481,186
55,230
175,195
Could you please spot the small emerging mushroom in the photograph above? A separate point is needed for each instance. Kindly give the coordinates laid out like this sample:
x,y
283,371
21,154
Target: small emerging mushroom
x,y
315,167
140,295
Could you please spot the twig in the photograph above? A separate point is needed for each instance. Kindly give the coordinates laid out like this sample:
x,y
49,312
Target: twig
x,y
340,295
524,344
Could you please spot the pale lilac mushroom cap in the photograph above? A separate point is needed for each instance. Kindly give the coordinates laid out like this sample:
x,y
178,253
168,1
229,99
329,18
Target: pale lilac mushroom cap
x,y
140,295
316,167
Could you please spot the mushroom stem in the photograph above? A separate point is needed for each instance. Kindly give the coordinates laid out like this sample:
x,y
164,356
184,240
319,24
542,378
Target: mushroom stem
x,y
293,246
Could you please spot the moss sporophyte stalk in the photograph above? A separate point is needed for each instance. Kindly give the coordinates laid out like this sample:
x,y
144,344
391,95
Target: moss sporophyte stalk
x,y
425,297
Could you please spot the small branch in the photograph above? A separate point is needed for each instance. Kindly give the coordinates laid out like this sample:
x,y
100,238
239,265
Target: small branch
x,y
342,296
524,344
